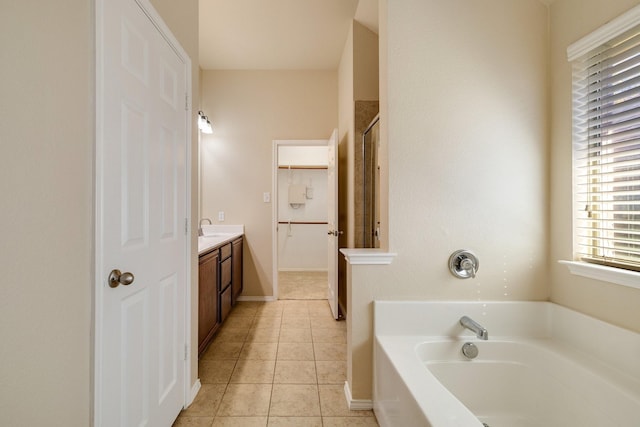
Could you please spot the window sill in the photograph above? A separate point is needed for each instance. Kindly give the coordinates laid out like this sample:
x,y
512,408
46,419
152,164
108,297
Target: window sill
x,y
607,274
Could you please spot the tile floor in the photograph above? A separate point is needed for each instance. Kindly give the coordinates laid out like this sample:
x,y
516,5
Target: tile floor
x,y
279,363
302,285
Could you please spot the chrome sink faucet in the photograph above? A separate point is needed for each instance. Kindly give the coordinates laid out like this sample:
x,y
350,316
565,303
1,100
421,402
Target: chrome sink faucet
x,y
474,327
200,225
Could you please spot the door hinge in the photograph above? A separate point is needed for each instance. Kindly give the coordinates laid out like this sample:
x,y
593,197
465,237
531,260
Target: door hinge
x,y
186,102
186,352
186,226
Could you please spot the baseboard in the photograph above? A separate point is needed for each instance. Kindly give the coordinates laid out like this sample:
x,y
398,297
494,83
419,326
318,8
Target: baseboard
x,y
356,404
259,299
302,270
194,392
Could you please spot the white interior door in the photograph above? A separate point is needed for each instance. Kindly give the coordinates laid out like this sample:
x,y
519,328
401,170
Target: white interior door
x,y
332,223
141,180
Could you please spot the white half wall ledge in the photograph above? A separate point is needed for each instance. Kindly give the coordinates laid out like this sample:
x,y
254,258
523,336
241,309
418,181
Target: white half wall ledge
x,y
367,256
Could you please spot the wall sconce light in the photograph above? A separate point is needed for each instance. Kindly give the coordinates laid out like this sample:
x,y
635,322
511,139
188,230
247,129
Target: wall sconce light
x,y
203,123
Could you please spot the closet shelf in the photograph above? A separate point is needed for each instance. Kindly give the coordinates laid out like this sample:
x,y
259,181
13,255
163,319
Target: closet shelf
x,y
303,167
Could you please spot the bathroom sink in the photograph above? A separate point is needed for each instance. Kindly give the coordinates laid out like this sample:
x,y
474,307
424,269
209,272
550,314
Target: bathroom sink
x,y
217,234
221,230
214,235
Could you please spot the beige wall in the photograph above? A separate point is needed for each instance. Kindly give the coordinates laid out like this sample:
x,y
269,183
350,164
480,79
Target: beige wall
x,y
466,124
46,176
365,63
571,20
346,137
248,110
357,81
383,149
346,88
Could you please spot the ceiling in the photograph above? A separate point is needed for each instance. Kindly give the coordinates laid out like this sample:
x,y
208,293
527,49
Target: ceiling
x,y
278,34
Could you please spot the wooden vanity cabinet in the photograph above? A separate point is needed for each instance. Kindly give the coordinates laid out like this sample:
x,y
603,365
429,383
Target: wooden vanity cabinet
x,y
208,318
225,281
236,267
219,285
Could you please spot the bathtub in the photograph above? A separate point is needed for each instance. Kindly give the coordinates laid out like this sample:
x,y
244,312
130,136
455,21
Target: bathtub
x,y
543,365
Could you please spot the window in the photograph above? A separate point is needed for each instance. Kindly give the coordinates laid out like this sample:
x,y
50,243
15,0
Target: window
x,y
606,113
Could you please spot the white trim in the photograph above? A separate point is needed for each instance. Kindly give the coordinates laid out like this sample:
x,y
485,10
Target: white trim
x,y
356,404
605,273
303,270
194,392
191,346
611,29
368,256
300,143
269,298
274,219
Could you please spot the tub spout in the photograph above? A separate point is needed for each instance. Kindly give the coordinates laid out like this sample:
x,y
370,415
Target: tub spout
x,y
474,327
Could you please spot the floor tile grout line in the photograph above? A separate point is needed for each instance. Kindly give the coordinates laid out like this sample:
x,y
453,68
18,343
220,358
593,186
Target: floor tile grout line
x,y
274,372
313,342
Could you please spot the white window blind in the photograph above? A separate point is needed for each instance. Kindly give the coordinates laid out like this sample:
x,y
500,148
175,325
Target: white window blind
x,y
606,102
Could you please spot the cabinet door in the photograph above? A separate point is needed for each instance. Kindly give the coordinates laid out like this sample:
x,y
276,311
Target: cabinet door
x,y
225,303
236,274
207,299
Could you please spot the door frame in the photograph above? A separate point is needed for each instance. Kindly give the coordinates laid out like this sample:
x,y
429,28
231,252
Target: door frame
x,y
98,270
274,199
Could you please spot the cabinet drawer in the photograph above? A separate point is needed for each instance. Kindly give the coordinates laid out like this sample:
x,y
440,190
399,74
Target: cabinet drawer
x,y
225,273
225,251
225,303
236,275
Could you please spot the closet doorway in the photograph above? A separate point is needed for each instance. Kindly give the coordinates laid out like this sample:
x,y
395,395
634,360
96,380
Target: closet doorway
x,y
300,217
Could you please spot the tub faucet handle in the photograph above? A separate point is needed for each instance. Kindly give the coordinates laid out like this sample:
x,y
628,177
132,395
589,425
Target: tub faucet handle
x,y
469,266
463,264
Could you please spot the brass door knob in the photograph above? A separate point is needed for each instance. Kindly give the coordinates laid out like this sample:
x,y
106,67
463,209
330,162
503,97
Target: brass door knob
x,y
117,278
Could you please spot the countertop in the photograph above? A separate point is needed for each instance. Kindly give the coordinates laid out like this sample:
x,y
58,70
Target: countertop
x,y
218,235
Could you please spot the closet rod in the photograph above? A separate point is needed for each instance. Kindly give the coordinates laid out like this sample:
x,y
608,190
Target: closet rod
x,y
303,222
302,167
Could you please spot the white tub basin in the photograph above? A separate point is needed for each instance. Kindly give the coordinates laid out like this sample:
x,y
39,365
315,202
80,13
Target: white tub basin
x,y
543,365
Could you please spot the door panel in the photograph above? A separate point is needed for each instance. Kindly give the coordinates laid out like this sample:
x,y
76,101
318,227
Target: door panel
x,y
169,182
134,164
134,350
168,336
141,179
